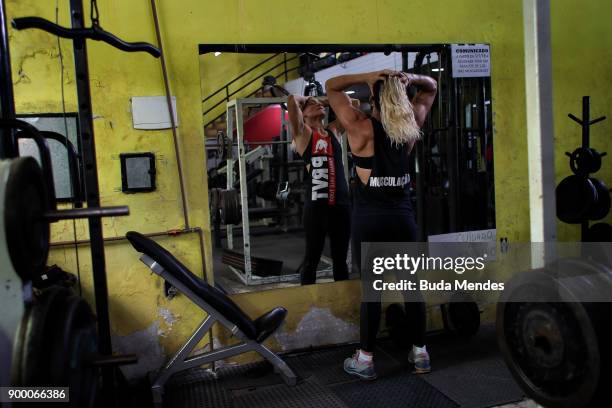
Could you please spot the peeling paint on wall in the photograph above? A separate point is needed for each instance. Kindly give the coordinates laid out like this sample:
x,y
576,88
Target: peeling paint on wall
x,y
167,315
318,327
145,344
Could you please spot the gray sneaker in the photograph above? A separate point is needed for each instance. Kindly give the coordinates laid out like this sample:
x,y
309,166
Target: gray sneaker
x,y
421,362
362,370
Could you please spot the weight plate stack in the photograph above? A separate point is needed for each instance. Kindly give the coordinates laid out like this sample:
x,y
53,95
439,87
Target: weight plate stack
x,y
230,207
56,344
75,345
33,367
575,195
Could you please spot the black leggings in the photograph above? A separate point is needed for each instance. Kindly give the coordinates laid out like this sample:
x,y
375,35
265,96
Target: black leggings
x,y
390,226
320,220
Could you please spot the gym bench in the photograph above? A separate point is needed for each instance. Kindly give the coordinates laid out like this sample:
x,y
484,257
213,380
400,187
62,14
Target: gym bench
x,y
219,307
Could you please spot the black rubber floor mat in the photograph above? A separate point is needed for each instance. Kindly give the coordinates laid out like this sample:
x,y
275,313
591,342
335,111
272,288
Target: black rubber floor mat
x,y
304,395
491,383
196,394
398,391
326,366
253,375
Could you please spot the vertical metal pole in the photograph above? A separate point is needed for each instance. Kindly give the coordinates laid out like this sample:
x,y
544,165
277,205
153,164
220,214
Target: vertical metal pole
x,y
93,197
283,170
418,161
8,144
452,157
540,132
229,166
246,241
285,66
586,142
586,118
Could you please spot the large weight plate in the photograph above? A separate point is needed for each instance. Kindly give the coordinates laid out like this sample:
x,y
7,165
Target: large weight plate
x,y
575,195
74,344
558,350
230,207
34,363
28,233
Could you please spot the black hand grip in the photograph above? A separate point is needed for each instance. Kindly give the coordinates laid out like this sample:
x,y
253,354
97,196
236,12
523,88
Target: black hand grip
x,y
94,33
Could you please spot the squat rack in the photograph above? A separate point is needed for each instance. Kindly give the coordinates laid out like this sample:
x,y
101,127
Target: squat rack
x,y
8,145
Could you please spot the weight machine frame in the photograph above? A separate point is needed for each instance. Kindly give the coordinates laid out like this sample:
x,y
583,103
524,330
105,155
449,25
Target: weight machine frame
x,y
234,109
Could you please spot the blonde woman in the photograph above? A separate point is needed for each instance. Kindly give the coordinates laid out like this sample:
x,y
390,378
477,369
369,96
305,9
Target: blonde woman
x,y
327,207
381,144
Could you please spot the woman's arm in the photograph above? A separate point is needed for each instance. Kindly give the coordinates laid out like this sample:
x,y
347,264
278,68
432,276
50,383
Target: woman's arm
x,y
340,102
335,124
294,107
426,94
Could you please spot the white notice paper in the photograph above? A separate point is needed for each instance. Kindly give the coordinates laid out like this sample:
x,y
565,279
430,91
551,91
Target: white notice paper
x,y
471,60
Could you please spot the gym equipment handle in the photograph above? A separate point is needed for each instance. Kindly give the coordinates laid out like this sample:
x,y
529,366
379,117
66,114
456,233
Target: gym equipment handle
x,y
95,212
93,33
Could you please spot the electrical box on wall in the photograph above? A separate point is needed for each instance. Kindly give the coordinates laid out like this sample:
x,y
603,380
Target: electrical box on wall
x,y
137,172
151,112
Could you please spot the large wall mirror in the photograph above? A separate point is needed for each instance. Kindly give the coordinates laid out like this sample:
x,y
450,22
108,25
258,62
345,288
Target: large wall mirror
x,y
259,183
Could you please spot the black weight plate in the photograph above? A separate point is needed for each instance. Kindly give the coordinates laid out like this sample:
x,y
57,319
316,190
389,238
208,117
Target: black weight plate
x,y
558,351
18,345
600,232
26,200
601,207
230,207
36,350
585,160
551,350
74,342
63,323
575,195
82,378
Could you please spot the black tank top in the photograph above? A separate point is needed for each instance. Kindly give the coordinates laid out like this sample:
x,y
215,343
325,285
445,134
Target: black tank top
x,y
325,184
388,187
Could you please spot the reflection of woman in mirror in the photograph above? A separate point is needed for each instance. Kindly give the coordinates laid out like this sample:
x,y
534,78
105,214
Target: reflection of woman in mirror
x,y
381,144
327,204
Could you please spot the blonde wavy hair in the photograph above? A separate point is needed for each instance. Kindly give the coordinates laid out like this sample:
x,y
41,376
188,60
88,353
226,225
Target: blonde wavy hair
x,y
396,111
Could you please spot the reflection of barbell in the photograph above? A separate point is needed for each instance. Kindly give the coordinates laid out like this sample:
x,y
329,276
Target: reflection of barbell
x,y
256,143
230,210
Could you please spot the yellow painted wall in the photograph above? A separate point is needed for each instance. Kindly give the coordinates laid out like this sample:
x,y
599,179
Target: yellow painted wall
x,y
581,59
